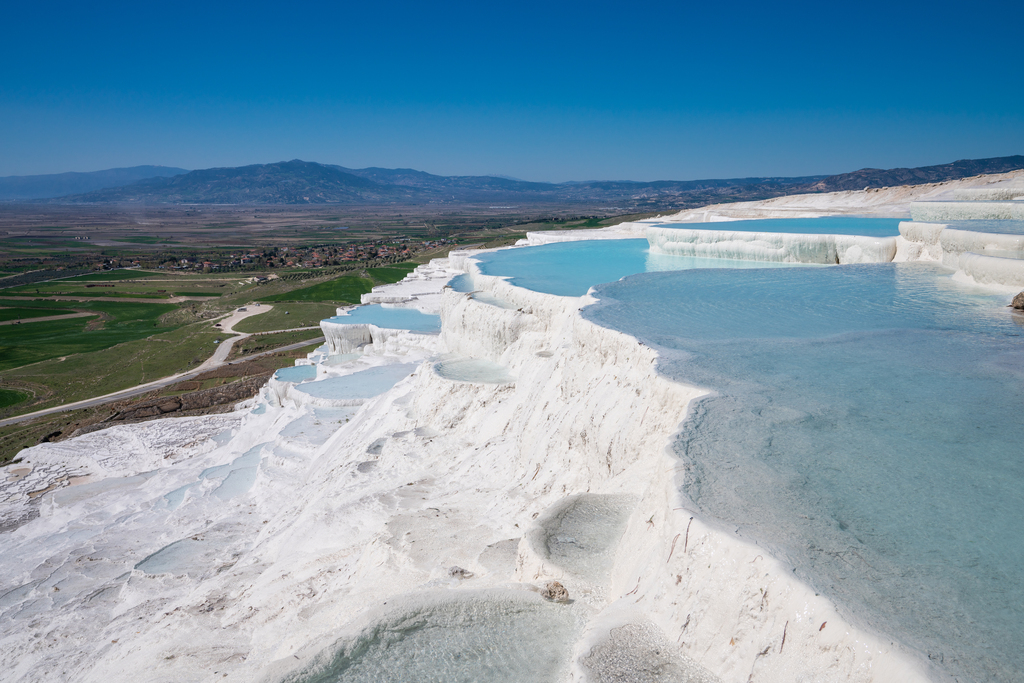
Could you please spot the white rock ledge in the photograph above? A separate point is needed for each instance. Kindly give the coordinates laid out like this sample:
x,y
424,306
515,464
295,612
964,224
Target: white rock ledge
x,y
771,246
992,260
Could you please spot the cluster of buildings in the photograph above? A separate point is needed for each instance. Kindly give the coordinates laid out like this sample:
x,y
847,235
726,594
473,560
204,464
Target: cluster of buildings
x,y
309,257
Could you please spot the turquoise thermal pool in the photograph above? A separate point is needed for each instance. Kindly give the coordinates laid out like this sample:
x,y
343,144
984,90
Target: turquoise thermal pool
x,y
390,318
477,370
297,373
360,385
572,268
861,428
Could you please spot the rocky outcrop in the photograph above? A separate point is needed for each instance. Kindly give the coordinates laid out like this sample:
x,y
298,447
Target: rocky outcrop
x,y
555,592
220,399
1018,302
195,401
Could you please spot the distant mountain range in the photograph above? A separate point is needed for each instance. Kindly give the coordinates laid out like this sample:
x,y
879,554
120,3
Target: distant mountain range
x,y
61,184
305,182
874,177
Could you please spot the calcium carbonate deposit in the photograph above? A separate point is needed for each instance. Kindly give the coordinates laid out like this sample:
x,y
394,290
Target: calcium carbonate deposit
x,y
402,504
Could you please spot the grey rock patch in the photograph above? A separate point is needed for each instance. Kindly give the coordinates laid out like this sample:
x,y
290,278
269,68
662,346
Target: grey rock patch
x,y
16,516
555,592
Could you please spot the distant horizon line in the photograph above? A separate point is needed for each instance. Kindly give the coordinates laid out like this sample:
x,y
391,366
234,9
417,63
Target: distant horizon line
x,y
401,168
492,175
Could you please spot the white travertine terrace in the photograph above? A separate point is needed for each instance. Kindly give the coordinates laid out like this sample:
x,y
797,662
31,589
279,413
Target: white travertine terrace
x,y
993,260
417,290
348,337
967,211
991,271
771,246
1006,192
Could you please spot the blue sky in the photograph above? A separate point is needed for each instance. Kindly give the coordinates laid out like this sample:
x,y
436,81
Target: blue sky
x,y
535,90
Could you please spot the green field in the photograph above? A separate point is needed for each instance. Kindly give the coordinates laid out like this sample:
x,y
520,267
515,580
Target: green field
x,y
343,290
259,343
125,365
129,343
90,294
133,284
23,313
285,316
108,275
388,274
9,398
51,307
123,321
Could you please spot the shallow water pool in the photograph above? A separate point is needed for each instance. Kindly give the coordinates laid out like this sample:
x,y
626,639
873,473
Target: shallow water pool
x,y
497,638
296,373
360,385
860,430
476,370
572,268
390,318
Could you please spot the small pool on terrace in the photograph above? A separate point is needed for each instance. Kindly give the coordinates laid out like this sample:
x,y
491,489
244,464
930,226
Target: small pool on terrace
x,y
296,373
461,283
572,268
475,370
390,318
360,385
501,637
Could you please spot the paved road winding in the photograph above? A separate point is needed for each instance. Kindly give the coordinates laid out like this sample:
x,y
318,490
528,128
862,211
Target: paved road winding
x,y
218,359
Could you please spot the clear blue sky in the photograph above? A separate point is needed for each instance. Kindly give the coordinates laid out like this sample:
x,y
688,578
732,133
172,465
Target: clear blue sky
x,y
536,90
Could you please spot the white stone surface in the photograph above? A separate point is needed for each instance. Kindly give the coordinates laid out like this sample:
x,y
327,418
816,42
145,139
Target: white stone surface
x,y
421,289
771,246
937,212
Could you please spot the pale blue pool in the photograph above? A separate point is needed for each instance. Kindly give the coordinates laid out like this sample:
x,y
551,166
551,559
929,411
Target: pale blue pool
x,y
478,370
390,318
467,637
365,384
296,373
865,429
572,268
461,283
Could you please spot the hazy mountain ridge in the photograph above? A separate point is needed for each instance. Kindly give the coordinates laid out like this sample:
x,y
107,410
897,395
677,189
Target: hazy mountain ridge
x,y
285,182
306,182
60,184
874,178
303,182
